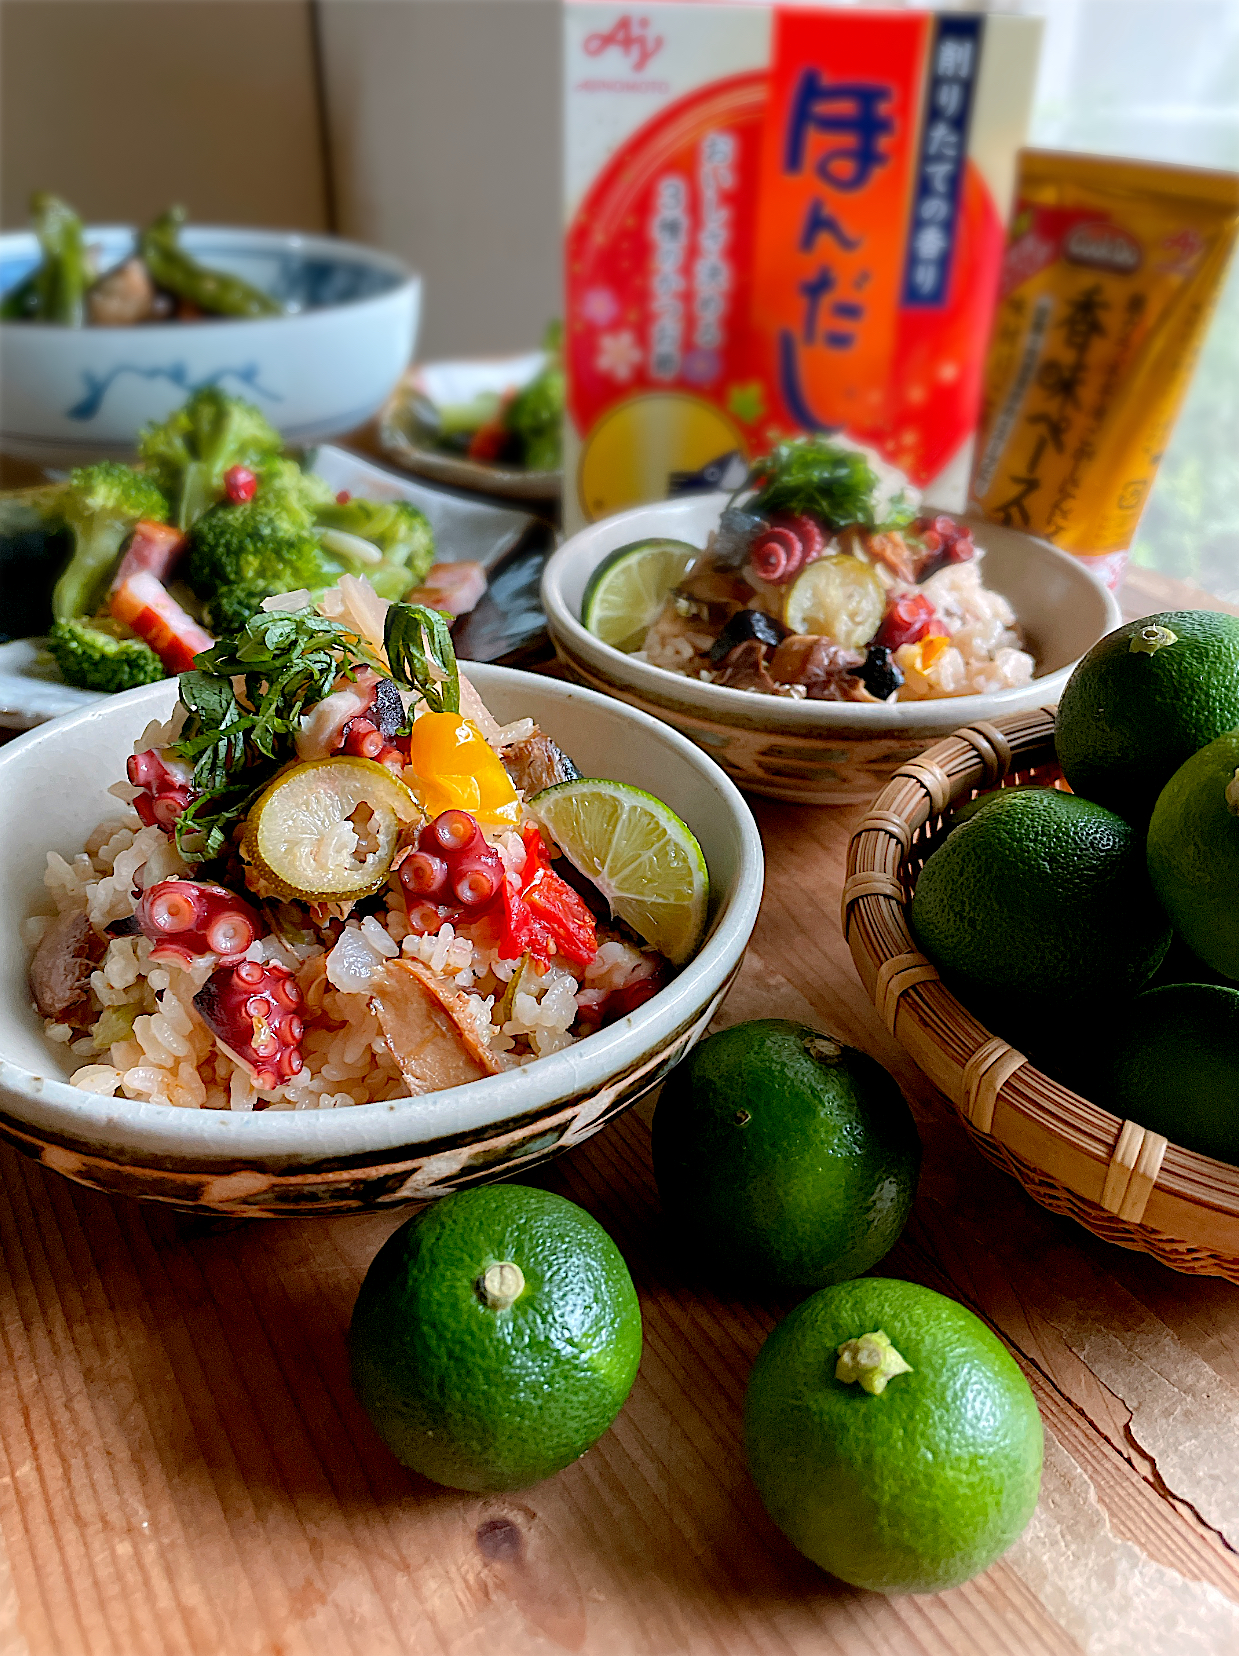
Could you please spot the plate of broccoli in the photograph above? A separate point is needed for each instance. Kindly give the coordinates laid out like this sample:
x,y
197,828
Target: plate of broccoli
x,y
126,571
489,424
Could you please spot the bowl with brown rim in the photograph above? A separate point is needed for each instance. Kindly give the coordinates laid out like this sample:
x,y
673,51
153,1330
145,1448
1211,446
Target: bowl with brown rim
x,y
53,792
817,752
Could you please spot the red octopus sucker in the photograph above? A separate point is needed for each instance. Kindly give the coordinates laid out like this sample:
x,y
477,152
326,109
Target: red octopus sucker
x,y
944,541
781,550
164,792
253,1010
364,740
453,868
187,919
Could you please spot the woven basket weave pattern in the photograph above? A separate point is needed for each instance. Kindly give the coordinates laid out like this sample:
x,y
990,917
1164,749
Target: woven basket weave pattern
x,y
1127,1185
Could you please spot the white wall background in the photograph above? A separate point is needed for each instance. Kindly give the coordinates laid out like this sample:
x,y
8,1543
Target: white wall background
x,y
124,106
444,118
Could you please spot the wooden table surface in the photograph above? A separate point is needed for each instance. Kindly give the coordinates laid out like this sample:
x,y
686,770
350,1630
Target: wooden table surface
x,y
183,1467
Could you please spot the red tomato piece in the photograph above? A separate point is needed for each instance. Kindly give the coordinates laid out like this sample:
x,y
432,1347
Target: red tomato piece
x,y
537,857
488,441
620,1002
564,915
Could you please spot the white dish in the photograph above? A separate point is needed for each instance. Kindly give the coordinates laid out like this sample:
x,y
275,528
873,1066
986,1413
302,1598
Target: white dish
x,y
31,690
460,382
76,394
1061,607
53,785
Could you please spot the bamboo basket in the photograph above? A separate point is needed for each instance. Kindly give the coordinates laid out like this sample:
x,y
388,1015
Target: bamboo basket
x,y
1126,1184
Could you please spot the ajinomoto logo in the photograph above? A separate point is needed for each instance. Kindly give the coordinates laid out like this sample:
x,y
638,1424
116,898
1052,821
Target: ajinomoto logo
x,y
631,37
1103,246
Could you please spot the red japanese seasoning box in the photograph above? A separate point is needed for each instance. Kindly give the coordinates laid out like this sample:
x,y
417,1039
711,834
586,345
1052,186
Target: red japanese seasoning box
x,y
780,219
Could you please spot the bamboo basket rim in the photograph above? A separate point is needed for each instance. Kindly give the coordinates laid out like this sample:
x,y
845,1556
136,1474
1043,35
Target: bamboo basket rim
x,y
1131,1185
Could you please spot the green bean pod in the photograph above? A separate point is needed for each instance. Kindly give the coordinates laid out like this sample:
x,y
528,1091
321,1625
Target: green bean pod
x,y
214,291
62,278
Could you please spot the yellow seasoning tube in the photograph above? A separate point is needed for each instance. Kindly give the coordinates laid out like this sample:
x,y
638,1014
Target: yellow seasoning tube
x,y
1111,272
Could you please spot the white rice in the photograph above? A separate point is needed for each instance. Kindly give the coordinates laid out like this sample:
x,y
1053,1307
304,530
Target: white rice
x,y
985,651
148,1042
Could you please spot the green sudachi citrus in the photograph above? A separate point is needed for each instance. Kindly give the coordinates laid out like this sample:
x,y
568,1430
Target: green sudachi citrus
x,y
784,1159
1041,896
1193,853
1143,700
1172,1064
495,1337
892,1437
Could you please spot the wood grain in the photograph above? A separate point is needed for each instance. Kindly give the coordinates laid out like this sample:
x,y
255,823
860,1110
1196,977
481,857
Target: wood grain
x,y
183,1467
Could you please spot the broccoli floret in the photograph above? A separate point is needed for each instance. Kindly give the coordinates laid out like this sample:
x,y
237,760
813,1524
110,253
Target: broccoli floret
x,y
230,607
256,548
100,505
285,488
190,451
95,659
536,413
239,555
401,533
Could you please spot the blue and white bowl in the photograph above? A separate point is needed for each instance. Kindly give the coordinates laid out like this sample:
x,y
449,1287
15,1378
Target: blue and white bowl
x,y
69,395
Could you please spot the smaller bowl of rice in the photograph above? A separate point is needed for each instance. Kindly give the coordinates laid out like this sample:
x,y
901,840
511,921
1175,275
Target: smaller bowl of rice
x,y
1021,615
347,1136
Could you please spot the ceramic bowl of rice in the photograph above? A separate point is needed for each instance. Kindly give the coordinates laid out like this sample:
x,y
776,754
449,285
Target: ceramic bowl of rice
x,y
171,1124
1021,599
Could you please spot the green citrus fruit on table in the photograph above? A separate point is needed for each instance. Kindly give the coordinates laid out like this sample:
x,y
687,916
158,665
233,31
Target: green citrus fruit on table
x,y
1193,852
1043,896
1173,1066
1143,700
892,1437
784,1159
495,1337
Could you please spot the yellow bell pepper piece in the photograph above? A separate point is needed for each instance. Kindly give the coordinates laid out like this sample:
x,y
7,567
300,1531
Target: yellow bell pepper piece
x,y
931,647
455,768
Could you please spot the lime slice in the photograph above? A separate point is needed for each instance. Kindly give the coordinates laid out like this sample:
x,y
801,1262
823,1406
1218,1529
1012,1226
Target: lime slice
x,y
628,588
326,831
838,598
638,853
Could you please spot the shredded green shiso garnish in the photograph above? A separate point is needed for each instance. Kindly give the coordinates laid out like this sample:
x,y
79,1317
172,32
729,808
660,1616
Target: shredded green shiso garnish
x,y
286,661
834,484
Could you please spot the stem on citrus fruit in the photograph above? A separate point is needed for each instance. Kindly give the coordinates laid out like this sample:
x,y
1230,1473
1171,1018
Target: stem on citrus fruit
x,y
1149,640
501,1285
870,1361
824,1047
